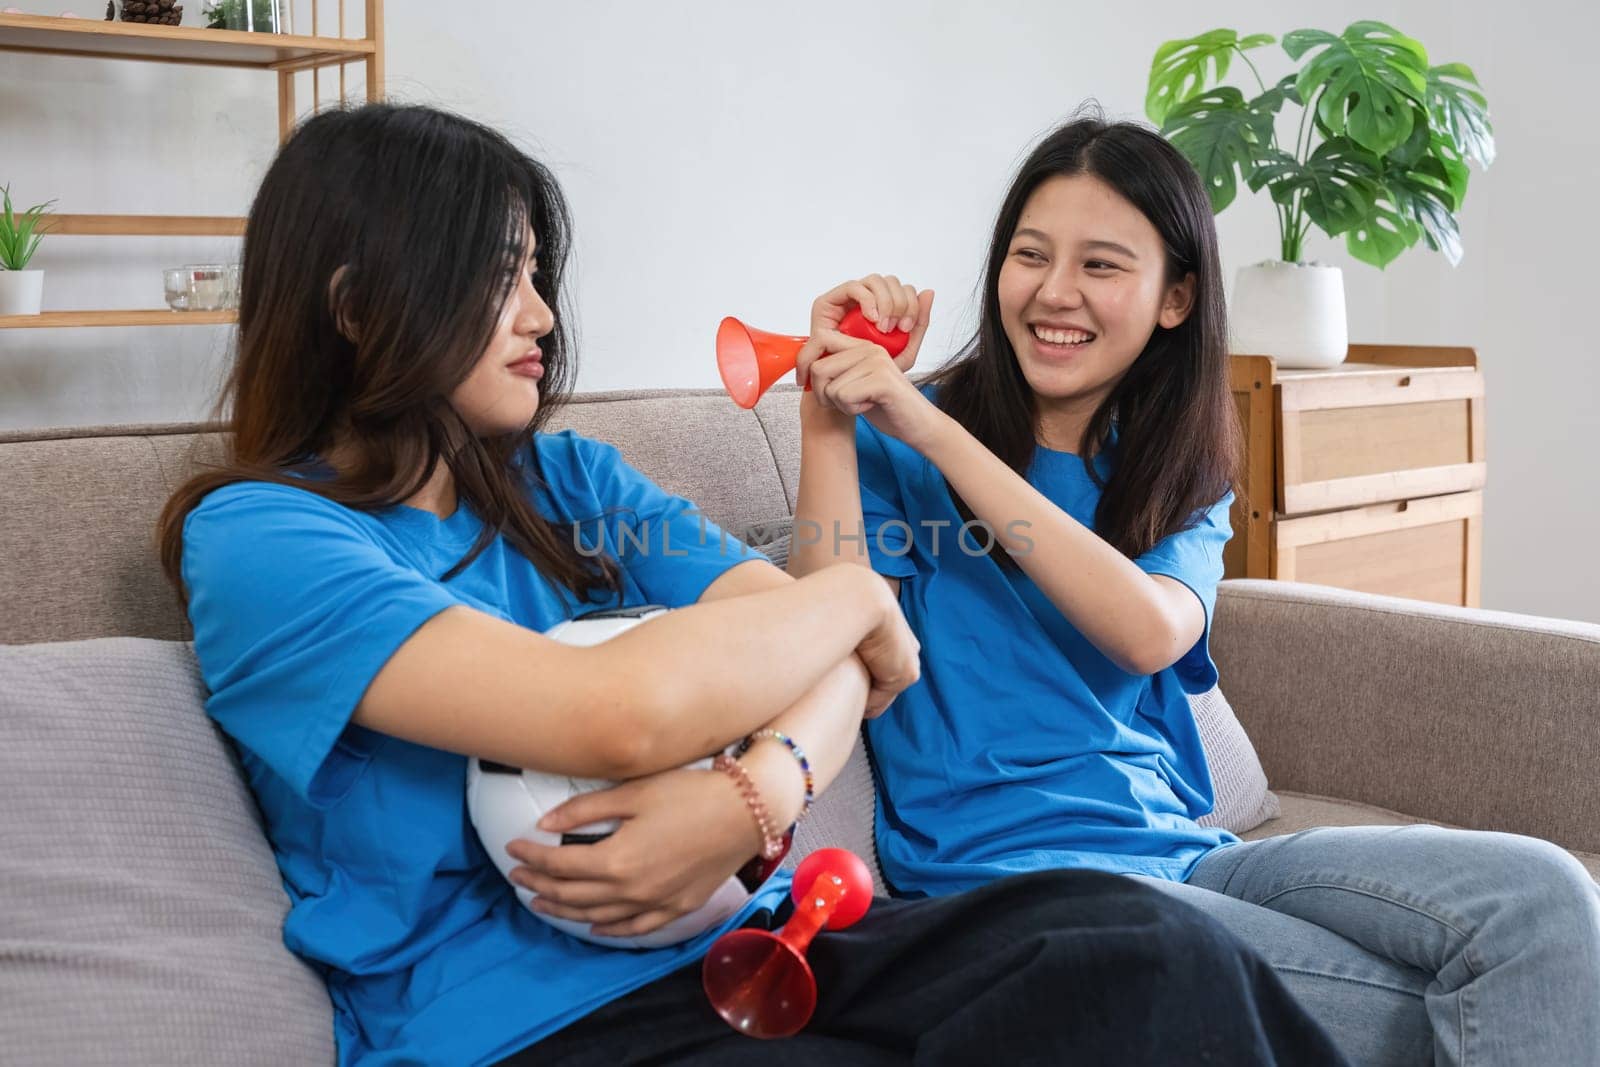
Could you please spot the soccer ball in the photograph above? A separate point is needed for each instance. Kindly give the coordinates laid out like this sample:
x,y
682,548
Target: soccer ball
x,y
506,803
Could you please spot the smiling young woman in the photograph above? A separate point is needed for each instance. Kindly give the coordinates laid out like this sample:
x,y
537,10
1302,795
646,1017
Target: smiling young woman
x,y
1089,429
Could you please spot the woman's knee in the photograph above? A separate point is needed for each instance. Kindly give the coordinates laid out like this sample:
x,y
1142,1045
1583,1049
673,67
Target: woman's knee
x,y
1554,885
1526,890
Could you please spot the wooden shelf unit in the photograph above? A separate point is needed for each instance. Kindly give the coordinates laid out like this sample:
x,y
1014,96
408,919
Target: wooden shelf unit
x,y
1367,476
46,320
144,225
283,54
55,36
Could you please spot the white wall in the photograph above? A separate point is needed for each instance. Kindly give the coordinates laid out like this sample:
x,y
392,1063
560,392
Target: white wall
x,y
736,158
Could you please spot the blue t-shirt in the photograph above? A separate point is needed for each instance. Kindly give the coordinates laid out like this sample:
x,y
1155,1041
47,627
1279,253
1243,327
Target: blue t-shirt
x,y
1023,747
297,602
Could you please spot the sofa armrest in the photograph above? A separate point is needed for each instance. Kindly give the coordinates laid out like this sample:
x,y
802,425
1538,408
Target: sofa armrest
x,y
1480,718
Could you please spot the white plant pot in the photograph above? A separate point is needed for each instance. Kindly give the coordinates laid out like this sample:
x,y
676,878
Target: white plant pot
x,y
1293,312
21,291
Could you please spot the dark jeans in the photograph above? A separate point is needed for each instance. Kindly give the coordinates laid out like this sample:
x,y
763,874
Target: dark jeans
x,y
1046,968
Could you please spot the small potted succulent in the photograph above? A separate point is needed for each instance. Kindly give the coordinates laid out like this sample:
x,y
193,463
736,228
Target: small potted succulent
x,y
1380,158
21,289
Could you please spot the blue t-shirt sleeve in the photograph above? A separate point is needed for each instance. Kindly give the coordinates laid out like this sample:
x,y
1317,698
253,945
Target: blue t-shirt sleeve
x,y
1194,557
667,546
295,610
883,510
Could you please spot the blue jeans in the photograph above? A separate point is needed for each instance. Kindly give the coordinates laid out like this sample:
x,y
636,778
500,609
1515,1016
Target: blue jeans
x,y
1416,944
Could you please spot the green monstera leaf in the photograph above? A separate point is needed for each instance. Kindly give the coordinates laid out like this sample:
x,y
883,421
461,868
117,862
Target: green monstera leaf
x,y
1416,145
1337,186
1271,102
1460,109
1387,231
1424,201
1179,71
1222,136
1367,77
1444,152
1431,191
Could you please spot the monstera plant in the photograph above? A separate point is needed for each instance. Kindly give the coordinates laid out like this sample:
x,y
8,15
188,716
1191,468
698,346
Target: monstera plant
x,y
1380,150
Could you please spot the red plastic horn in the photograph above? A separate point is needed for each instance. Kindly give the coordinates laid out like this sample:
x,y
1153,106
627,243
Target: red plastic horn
x,y
750,360
759,981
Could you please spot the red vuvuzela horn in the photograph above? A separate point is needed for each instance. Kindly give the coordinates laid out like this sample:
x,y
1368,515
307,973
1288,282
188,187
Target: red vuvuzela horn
x,y
759,981
750,360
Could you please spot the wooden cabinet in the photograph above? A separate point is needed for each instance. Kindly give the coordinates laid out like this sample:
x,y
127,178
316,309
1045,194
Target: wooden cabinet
x,y
1368,475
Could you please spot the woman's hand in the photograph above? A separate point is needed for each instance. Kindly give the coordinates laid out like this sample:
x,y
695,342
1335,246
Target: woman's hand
x,y
683,833
859,378
887,303
890,653
850,377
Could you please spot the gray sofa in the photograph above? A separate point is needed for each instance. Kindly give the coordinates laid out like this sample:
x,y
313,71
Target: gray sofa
x,y
140,909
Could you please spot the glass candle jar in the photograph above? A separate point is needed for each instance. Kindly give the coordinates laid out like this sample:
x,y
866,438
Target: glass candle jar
x,y
175,280
208,286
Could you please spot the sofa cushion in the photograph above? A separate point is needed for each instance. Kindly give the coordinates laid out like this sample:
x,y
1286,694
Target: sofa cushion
x,y
143,911
1302,811
1243,800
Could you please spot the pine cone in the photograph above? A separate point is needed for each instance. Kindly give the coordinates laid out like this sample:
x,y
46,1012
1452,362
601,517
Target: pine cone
x,y
158,12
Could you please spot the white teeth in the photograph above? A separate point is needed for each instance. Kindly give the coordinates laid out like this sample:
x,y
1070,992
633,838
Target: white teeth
x,y
1062,337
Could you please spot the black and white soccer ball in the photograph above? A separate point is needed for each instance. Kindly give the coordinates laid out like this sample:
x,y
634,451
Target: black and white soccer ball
x,y
506,803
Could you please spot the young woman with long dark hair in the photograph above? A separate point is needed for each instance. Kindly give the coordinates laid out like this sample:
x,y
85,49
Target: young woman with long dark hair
x,y
1051,509
368,574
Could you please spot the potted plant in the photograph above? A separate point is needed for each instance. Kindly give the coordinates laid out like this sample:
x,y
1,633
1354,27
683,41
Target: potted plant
x,y
21,290
1380,158
261,16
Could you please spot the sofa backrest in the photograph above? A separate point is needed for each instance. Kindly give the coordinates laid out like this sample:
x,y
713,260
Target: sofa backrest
x,y
78,509
78,506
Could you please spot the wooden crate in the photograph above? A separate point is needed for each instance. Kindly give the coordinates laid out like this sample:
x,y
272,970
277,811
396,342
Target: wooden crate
x,y
1249,553
1376,429
1397,426
1427,549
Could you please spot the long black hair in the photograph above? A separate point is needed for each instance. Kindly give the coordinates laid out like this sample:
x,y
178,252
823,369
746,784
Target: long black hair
x,y
1177,448
415,211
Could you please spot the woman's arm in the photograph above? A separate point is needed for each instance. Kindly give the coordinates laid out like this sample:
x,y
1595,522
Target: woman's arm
x,y
824,721
829,501
1143,623
656,696
830,492
683,832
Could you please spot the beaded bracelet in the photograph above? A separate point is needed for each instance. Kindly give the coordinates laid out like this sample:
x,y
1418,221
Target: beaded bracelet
x,y
798,753
772,843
